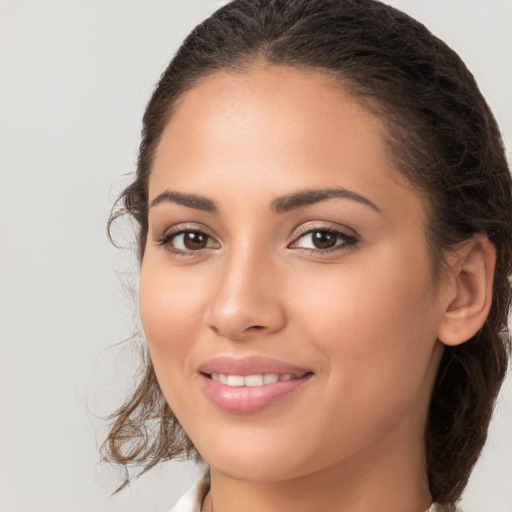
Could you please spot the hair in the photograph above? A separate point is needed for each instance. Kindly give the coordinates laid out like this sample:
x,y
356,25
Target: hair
x,y
443,139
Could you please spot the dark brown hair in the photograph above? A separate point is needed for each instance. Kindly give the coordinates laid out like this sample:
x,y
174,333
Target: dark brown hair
x,y
444,140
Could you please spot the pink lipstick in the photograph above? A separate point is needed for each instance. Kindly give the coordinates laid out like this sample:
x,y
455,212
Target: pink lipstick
x,y
250,384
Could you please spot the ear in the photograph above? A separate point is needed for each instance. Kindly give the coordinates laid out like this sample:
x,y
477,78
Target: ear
x,y
470,296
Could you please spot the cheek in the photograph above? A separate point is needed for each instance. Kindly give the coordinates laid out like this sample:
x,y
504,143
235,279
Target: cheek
x,y
375,323
170,308
375,331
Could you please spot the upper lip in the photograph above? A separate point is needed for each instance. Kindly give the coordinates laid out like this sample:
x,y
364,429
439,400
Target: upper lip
x,y
250,365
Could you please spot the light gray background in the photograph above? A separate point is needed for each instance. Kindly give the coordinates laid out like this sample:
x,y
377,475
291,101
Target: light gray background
x,y
74,79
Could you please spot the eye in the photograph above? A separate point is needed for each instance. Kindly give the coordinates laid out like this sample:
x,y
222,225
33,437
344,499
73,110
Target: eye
x,y
324,240
187,241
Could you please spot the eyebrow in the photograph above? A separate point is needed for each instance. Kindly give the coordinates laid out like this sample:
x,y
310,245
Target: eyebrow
x,y
190,200
280,204
311,196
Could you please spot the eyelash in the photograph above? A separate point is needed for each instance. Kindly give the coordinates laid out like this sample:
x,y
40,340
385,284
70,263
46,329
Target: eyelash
x,y
348,240
167,237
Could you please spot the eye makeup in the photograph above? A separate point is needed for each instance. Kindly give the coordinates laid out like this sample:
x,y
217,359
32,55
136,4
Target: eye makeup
x,y
189,240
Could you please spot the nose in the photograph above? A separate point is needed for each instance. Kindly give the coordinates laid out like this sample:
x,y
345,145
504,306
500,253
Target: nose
x,y
246,302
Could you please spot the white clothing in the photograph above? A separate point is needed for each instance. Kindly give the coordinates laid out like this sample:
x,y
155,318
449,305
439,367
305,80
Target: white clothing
x,y
192,500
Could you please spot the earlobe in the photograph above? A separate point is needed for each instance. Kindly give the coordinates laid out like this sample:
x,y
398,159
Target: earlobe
x,y
471,283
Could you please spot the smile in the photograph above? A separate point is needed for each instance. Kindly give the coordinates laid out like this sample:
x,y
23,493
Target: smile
x,y
247,385
260,379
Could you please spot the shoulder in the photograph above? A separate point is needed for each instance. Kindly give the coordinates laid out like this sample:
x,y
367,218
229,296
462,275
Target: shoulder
x,y
192,500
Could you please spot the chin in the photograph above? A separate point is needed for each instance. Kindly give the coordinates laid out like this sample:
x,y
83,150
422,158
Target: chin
x,y
255,471
254,463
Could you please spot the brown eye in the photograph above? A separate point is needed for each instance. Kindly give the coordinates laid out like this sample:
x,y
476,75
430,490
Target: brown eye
x,y
188,241
194,240
324,239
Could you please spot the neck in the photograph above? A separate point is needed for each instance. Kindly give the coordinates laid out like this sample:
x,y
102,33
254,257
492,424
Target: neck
x,y
384,483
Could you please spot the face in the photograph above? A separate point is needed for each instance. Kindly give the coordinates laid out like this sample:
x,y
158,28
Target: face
x,y
286,290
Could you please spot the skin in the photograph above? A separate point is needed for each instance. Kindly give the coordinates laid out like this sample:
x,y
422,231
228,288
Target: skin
x,y
365,317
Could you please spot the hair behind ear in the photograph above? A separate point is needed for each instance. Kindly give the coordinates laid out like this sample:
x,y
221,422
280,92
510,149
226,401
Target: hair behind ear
x,y
470,373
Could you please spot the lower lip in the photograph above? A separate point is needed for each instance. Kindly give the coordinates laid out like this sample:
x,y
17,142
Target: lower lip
x,y
249,399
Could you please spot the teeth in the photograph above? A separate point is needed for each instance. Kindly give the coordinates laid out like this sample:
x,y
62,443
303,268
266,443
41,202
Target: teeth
x,y
235,380
251,380
220,377
270,378
254,380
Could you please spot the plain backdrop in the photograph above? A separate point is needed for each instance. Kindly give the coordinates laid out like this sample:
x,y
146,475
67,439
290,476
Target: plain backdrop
x,y
75,76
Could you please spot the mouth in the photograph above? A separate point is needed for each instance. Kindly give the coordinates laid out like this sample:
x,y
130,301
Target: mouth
x,y
234,368
250,384
257,379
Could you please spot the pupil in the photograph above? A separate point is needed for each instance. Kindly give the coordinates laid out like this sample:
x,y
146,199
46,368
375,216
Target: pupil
x,y
324,239
194,240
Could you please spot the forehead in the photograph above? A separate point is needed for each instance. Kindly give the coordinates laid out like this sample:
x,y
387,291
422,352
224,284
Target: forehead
x,y
275,128
234,105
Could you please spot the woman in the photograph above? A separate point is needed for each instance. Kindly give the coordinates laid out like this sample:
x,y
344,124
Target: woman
x,y
325,215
